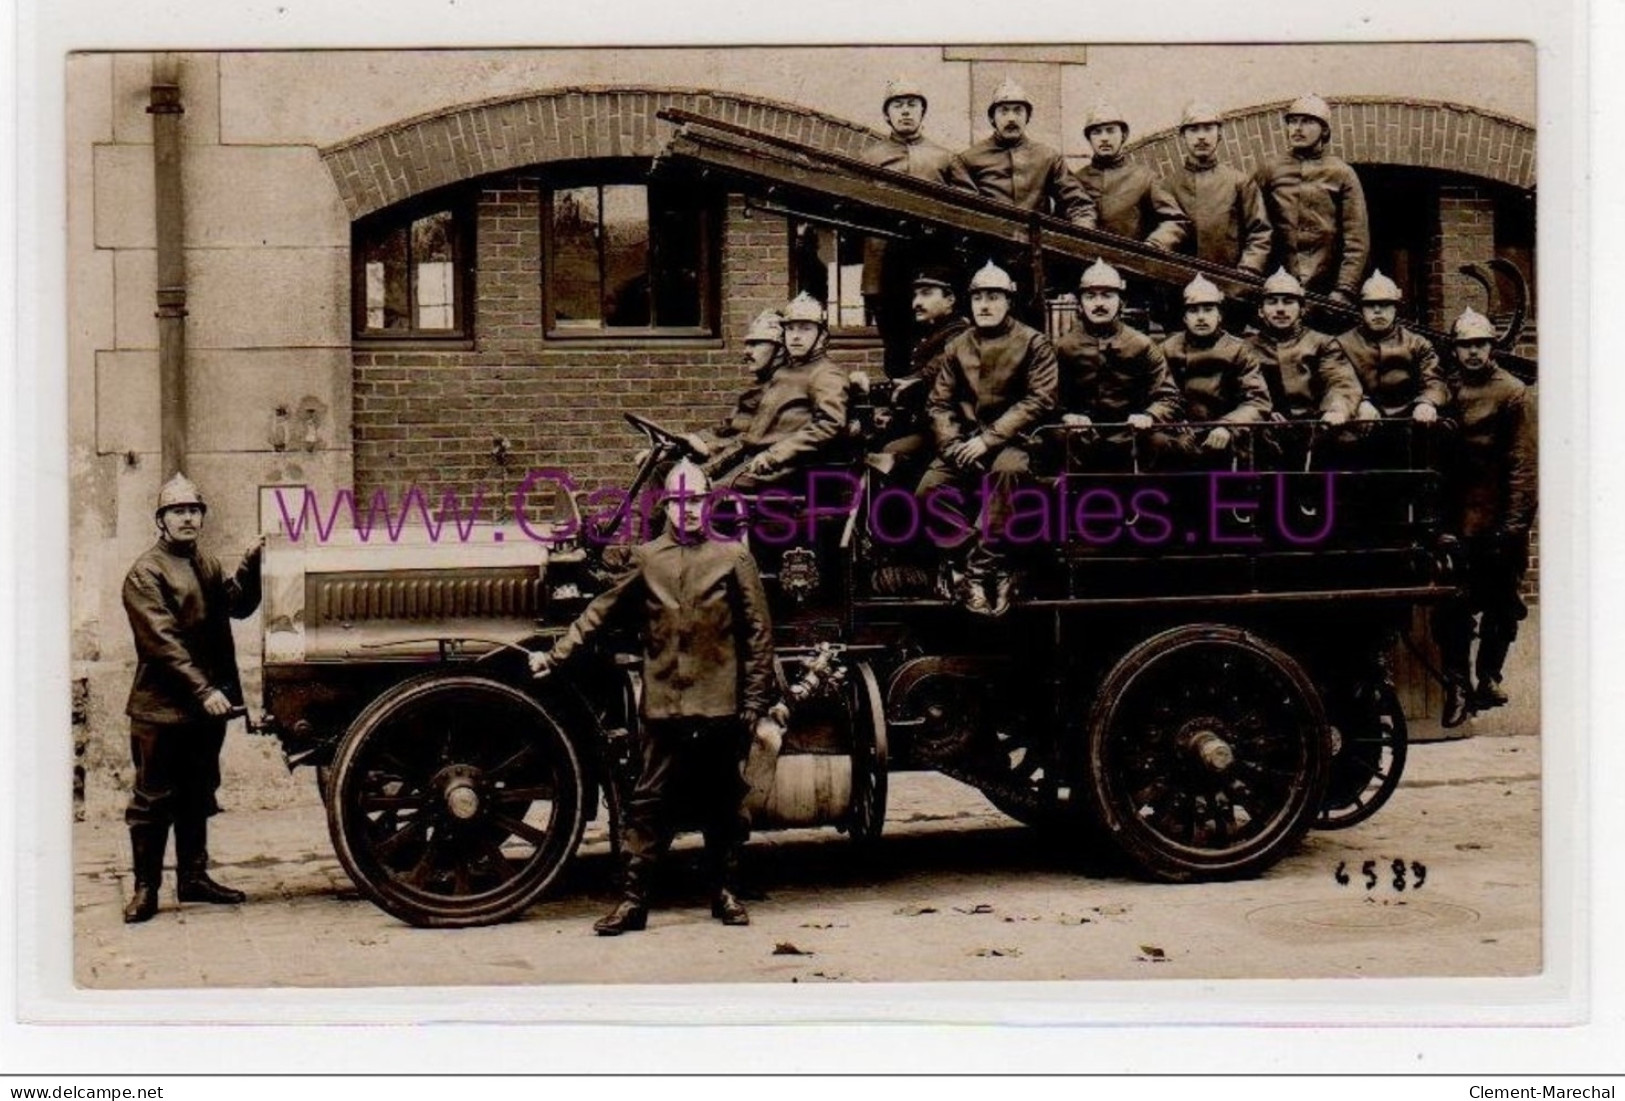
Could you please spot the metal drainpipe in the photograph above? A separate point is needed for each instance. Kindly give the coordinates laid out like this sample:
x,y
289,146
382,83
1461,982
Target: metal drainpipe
x,y
166,112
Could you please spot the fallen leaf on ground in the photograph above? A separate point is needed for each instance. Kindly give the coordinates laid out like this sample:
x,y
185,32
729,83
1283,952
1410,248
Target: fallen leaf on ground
x,y
916,911
785,948
824,925
1152,954
987,952
979,908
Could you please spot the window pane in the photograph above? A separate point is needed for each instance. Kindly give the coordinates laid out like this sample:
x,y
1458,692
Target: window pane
x,y
626,255
678,265
846,309
576,279
434,267
388,301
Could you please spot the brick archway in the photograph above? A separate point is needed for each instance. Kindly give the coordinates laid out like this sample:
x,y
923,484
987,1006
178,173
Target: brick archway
x,y
381,168
1374,130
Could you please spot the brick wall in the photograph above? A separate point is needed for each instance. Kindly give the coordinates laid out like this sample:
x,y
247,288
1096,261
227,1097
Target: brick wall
x,y
428,418
1464,234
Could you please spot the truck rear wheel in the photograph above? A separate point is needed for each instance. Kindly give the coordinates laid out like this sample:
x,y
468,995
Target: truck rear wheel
x,y
1208,754
455,800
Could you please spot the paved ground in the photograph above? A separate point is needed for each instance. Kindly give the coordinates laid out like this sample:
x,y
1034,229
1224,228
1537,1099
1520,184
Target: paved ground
x,y
957,891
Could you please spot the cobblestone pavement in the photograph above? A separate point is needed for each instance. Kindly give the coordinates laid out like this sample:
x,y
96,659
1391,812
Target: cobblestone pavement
x,y
956,891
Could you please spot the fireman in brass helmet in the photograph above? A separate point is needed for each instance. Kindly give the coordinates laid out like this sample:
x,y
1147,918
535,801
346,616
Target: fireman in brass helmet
x,y
1012,167
708,679
1490,494
1317,206
991,384
888,265
1229,223
1218,374
1129,199
180,604
799,414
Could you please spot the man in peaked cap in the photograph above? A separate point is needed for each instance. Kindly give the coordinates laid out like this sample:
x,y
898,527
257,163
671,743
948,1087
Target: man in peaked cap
x,y
709,679
991,383
798,411
888,265
908,438
1111,374
1009,166
1316,204
1490,495
1229,222
180,604
1218,375
1129,199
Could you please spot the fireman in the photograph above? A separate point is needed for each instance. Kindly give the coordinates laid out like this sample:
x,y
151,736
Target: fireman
x,y
800,414
1228,220
1399,371
709,680
1316,205
1129,199
180,604
1218,374
908,438
1009,166
1490,487
1309,377
888,265
1114,376
992,383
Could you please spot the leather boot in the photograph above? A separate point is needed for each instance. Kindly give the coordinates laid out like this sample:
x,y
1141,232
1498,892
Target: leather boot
x,y
725,905
1492,656
192,866
1456,703
631,914
1004,593
728,909
147,865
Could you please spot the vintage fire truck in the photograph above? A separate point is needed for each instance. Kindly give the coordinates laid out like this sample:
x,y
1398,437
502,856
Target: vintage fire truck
x,y
1194,675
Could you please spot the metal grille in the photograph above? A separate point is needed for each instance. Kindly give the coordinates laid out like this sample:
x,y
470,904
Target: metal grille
x,y
423,595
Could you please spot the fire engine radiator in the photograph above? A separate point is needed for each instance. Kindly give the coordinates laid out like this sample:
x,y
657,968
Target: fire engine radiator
x,y
422,595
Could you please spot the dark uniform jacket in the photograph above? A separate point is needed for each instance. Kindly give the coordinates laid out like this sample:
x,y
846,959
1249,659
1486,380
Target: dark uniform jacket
x,y
923,159
707,636
1131,202
1492,482
1396,371
1307,373
1110,376
797,411
1029,174
997,383
1226,209
1317,207
1219,378
180,608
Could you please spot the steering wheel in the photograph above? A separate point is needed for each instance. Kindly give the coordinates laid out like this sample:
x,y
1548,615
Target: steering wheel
x,y
664,437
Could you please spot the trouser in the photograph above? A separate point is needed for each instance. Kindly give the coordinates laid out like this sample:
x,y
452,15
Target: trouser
x,y
177,771
947,491
1090,451
692,771
1492,578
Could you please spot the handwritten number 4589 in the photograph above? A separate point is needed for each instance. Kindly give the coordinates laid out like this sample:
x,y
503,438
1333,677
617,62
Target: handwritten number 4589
x,y
1417,872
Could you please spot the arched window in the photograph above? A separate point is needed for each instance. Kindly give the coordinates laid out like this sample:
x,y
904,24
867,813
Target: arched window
x,y
411,270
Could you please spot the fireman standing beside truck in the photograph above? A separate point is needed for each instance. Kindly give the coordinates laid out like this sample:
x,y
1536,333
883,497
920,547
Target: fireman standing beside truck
x,y
180,603
709,680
